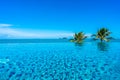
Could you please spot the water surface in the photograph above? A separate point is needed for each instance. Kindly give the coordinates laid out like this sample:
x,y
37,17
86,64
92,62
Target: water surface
x,y
60,61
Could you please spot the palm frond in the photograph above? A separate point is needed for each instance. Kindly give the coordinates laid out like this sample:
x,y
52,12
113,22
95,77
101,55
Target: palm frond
x,y
79,37
102,34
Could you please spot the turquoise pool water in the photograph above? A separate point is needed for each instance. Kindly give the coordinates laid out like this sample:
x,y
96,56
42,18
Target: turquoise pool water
x,y
60,61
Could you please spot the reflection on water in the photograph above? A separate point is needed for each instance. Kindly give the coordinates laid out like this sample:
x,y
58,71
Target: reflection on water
x,y
79,45
102,46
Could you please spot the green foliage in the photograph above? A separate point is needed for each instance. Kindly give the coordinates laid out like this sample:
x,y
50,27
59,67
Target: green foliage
x,y
103,34
78,37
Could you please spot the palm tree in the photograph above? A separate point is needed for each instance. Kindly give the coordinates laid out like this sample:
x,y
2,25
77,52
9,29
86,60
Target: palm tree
x,y
78,37
103,34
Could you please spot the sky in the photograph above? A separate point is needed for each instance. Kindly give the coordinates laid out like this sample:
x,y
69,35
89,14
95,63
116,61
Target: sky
x,y
57,18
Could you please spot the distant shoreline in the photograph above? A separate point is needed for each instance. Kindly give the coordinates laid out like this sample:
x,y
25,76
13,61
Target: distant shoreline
x,y
43,40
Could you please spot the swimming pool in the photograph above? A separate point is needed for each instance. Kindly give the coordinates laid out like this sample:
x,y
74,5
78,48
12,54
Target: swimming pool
x,y
60,61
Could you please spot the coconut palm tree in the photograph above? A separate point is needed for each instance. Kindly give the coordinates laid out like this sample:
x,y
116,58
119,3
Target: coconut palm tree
x,y
78,37
103,34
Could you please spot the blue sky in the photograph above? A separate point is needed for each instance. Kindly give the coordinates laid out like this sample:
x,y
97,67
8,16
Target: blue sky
x,y
57,18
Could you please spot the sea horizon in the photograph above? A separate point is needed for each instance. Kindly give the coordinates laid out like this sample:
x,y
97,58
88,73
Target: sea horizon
x,y
49,40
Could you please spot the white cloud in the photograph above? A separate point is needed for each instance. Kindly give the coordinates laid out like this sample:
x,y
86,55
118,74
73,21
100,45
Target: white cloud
x,y
7,32
5,25
88,35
